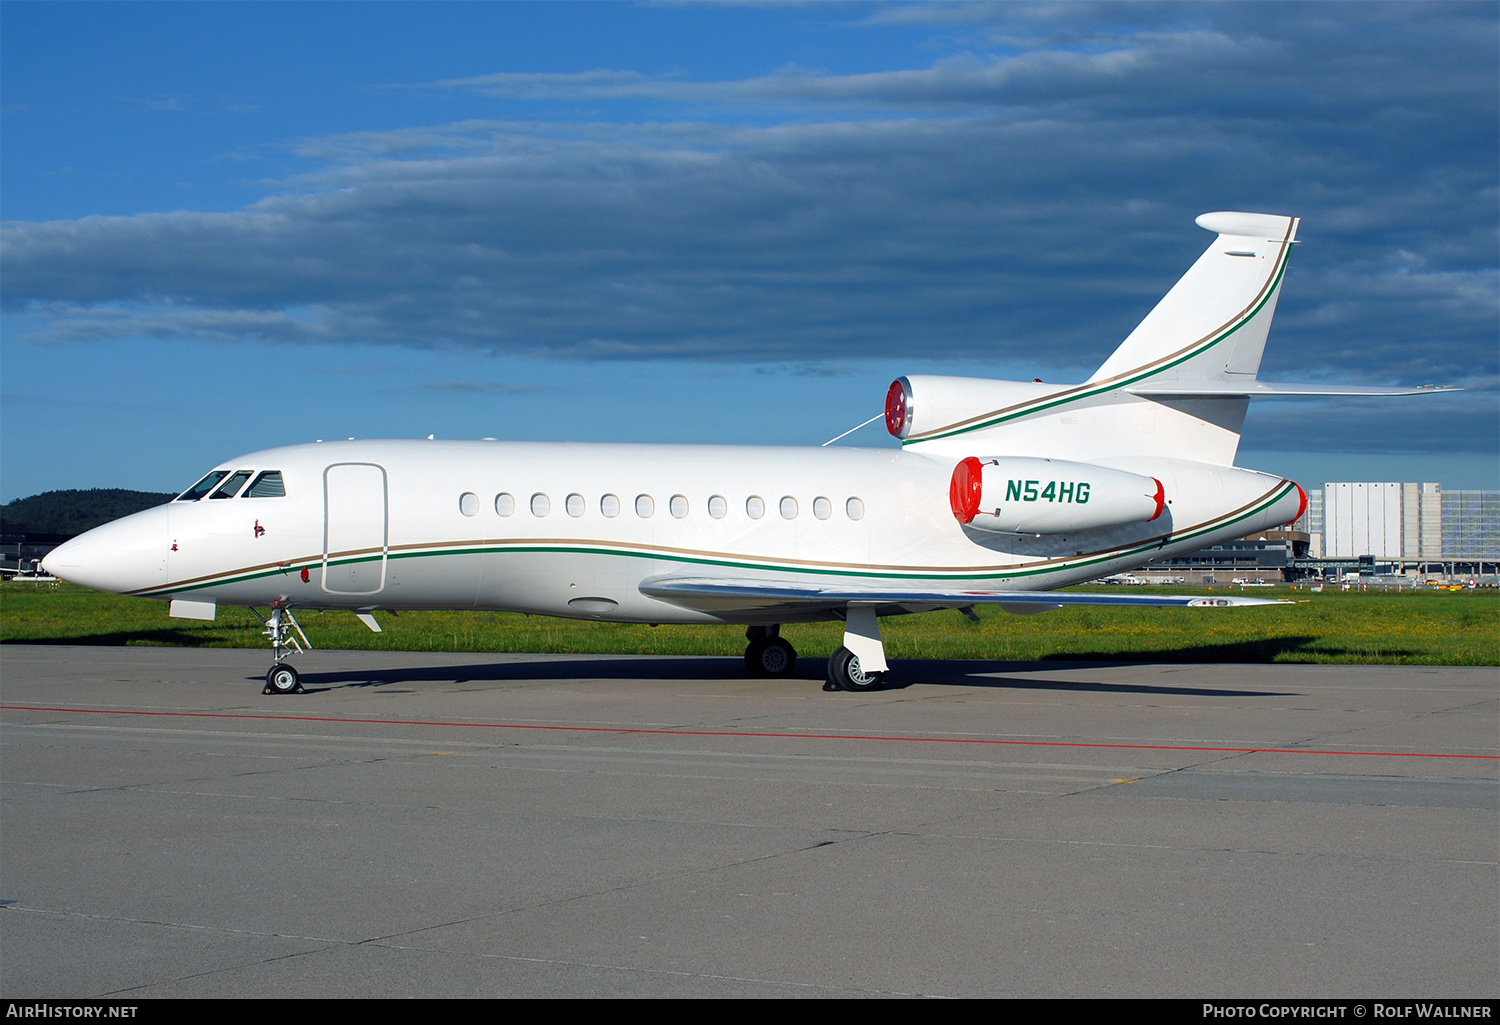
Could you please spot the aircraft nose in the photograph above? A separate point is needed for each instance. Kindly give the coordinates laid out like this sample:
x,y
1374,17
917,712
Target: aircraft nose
x,y
129,554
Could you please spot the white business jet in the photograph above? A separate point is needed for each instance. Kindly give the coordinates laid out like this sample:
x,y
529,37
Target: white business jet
x,y
1001,492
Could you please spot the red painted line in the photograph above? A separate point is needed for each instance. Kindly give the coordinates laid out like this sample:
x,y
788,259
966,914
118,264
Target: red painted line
x,y
736,733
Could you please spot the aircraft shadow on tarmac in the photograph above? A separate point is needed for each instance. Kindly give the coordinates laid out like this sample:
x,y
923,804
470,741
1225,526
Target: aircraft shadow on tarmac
x,y
167,637
930,671
904,673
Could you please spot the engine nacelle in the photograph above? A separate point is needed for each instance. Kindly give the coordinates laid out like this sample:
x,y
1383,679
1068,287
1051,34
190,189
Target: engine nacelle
x,y
1026,495
953,401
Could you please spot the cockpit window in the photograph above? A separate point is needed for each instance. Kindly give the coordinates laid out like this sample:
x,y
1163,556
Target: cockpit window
x,y
233,484
203,487
267,485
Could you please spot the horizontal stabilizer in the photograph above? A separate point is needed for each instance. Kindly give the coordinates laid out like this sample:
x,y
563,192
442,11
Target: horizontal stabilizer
x,y
1268,389
723,596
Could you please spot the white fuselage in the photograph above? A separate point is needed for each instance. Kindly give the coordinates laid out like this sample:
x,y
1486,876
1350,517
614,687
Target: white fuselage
x,y
574,529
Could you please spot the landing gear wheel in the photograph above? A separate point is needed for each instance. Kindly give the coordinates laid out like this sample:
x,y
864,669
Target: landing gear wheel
x,y
771,656
844,673
283,679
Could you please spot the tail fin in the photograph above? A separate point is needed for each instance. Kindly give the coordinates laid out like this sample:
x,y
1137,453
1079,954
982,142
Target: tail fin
x,y
1178,387
1212,325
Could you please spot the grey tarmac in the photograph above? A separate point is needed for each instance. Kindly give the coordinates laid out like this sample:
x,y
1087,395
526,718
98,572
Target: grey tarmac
x,y
550,825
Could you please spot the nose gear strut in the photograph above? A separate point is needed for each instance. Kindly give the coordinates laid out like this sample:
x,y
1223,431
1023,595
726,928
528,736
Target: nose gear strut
x,y
282,678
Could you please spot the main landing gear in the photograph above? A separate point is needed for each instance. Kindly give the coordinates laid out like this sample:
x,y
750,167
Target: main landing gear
x,y
282,678
769,654
859,665
846,673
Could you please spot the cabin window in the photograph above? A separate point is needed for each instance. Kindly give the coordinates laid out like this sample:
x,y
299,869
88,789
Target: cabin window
x,y
788,507
233,484
645,505
855,508
468,503
267,485
505,504
609,505
679,506
575,505
203,487
541,505
822,508
755,507
717,507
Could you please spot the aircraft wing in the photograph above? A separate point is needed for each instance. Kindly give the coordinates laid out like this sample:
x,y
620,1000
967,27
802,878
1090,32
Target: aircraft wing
x,y
720,595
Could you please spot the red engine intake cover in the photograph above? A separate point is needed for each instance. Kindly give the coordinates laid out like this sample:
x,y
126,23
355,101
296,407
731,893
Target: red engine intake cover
x,y
965,488
895,409
1301,507
1161,499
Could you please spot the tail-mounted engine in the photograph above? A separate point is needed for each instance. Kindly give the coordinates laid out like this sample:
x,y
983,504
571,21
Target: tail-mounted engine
x,y
1024,495
958,404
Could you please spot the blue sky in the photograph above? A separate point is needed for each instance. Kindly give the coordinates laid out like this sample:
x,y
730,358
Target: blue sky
x,y
233,226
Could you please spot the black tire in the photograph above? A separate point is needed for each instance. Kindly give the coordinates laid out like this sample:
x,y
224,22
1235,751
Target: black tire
x,y
283,679
845,674
771,656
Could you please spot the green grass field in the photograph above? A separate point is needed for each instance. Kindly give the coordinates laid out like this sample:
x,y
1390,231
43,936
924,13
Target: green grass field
x,y
1389,628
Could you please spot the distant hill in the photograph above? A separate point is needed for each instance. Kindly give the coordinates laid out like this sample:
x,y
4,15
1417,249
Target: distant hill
x,y
73,512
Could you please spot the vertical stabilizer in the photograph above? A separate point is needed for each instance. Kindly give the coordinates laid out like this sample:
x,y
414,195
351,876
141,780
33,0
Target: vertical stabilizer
x,y
1177,387
1212,325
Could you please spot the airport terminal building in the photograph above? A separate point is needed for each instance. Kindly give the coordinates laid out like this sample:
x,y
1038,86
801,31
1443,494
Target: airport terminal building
x,y
1401,523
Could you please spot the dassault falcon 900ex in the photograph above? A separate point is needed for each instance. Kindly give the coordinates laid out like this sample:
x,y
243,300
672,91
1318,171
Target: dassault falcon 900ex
x,y
1001,492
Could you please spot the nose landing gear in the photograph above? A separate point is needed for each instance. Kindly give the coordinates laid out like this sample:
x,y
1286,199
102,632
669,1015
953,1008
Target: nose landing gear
x,y
282,678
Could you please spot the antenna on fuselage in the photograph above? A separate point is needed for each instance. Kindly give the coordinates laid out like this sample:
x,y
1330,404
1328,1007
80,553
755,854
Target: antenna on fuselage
x,y
851,430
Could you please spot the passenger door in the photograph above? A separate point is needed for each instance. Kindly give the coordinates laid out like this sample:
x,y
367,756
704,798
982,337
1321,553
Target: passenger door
x,y
355,528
